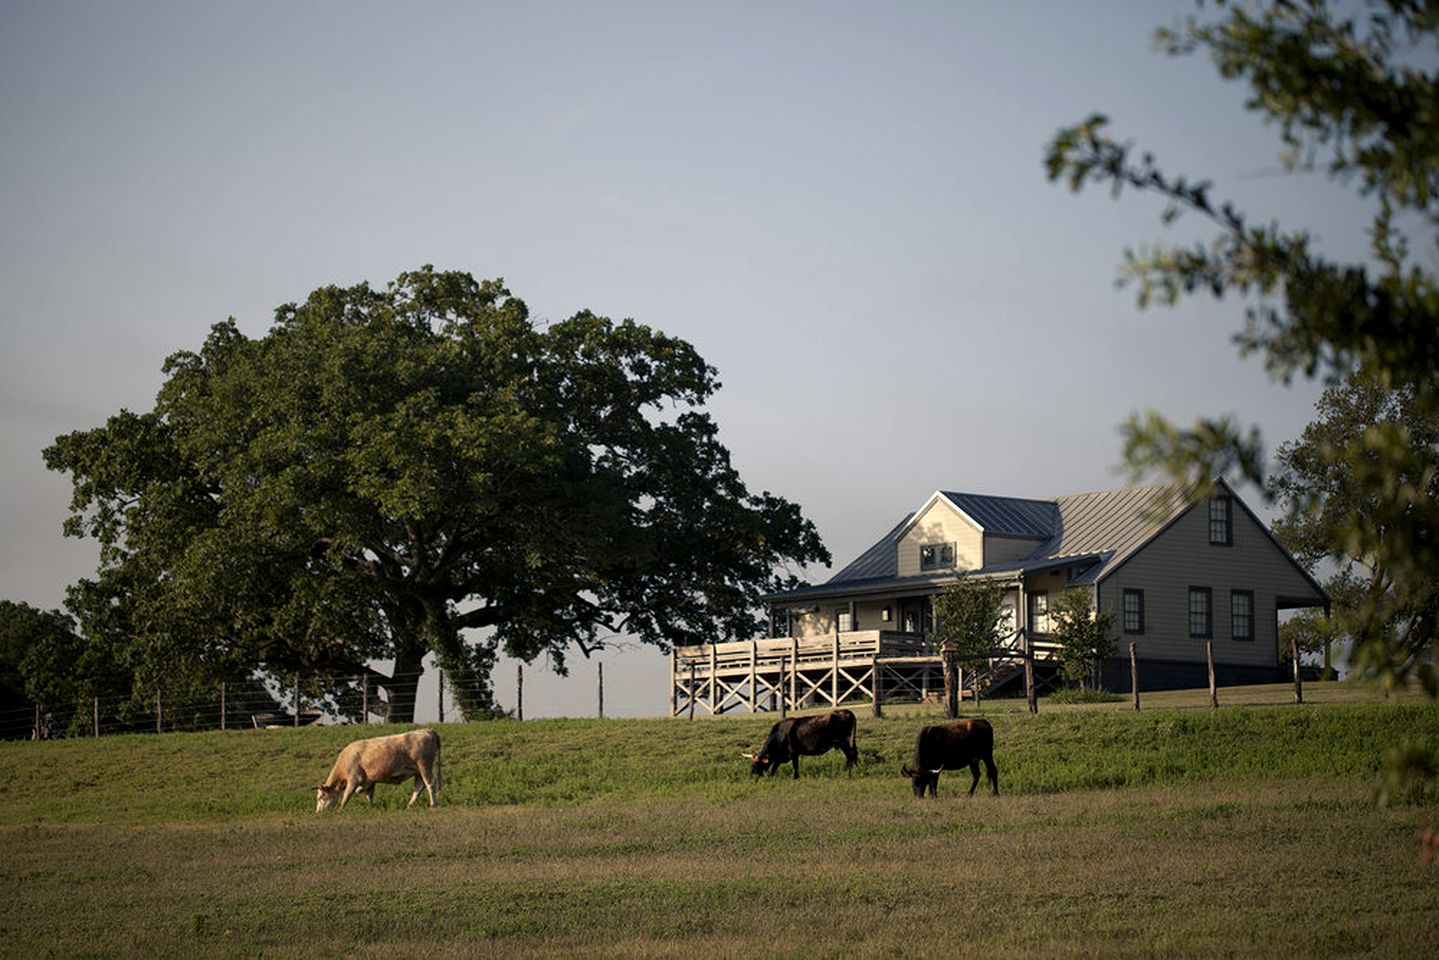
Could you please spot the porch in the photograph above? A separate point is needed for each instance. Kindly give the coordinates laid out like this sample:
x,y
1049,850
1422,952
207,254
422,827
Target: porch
x,y
789,673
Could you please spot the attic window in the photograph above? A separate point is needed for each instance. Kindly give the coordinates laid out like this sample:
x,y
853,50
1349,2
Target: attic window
x,y
936,556
1221,526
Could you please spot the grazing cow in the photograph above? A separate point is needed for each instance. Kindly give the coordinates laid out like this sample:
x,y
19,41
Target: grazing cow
x,y
807,736
392,759
952,746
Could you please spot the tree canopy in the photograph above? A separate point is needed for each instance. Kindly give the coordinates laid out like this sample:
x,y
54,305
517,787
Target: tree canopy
x,y
420,469
1354,96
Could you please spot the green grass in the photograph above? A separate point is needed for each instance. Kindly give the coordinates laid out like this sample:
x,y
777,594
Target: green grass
x,y
1247,831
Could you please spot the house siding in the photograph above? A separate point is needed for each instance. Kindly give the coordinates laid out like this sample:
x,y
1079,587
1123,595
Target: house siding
x,y
1181,557
940,523
997,549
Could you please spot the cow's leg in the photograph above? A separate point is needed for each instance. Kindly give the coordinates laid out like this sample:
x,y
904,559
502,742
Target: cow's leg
x,y
795,761
350,787
993,773
934,785
369,792
973,769
415,791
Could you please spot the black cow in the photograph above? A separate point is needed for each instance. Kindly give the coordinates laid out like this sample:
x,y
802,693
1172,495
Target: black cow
x,y
806,736
952,746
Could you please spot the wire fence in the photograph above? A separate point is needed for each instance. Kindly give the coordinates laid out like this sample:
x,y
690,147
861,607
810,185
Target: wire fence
x,y
245,705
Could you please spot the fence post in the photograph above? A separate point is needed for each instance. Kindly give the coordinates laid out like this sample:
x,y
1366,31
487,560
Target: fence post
x,y
753,657
951,685
95,704
1134,674
834,676
674,683
600,673
1213,687
784,668
1029,693
694,694
159,714
441,673
519,691
1298,685
794,674
878,691
365,696
35,730
222,704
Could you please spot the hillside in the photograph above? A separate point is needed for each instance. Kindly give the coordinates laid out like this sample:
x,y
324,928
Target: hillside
x,y
1171,831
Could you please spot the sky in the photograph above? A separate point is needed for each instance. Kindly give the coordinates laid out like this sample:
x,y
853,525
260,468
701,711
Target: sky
x,y
841,205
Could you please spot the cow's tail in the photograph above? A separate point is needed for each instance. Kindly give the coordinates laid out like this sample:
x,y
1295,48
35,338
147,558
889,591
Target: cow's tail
x,y
852,757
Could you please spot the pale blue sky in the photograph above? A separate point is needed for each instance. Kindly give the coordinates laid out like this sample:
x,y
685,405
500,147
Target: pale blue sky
x,y
842,205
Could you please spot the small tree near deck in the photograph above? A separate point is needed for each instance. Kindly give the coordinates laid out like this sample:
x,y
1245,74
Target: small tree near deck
x,y
970,617
1083,636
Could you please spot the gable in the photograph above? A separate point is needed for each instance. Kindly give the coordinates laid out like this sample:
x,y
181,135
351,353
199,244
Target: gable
x,y
939,524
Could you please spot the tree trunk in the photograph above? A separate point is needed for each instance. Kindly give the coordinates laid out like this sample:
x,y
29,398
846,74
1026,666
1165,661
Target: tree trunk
x,y
469,666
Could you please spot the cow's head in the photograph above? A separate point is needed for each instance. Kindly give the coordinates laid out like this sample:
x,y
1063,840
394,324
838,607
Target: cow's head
x,y
326,797
921,780
759,763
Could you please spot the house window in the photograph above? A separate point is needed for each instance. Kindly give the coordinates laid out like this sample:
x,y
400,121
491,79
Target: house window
x,y
936,556
1039,612
843,621
1134,611
1221,525
1201,622
1241,614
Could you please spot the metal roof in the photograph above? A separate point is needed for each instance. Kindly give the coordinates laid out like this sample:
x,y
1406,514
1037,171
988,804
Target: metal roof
x,y
1102,529
1008,516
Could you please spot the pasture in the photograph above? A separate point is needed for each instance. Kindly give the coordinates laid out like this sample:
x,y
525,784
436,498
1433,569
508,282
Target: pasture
x,y
1176,831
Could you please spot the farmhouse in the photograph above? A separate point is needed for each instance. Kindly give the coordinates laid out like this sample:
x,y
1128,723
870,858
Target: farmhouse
x,y
1177,573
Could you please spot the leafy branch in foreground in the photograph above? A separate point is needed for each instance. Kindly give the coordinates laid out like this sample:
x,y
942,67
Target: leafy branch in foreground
x,y
1356,98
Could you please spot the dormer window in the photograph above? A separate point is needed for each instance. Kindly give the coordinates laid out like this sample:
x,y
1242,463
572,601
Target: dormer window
x,y
1221,525
936,556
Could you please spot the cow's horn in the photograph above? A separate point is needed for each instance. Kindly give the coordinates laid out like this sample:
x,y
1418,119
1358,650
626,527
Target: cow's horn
x,y
747,756
938,770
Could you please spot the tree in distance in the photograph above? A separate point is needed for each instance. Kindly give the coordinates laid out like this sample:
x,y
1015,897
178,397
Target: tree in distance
x,y
422,469
1354,95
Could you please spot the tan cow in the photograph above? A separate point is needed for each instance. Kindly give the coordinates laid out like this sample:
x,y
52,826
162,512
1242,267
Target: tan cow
x,y
391,759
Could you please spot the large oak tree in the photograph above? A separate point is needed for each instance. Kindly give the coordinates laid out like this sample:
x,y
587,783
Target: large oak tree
x,y
420,470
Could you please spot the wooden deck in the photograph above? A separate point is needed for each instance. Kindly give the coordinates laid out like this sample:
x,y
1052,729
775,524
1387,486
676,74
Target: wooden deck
x,y
788,673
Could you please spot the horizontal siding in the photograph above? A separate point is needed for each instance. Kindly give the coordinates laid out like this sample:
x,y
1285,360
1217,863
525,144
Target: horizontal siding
x,y
997,549
1181,557
940,523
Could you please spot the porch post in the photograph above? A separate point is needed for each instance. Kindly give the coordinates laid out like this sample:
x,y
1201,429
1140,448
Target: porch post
x,y
834,677
794,673
714,677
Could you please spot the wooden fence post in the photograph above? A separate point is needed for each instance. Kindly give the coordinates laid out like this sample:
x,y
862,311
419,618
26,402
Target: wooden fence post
x,y
753,679
222,704
694,694
365,696
95,705
1298,685
519,691
297,698
784,668
441,672
674,683
714,680
794,674
1029,693
159,713
600,671
1134,674
1213,687
878,687
951,686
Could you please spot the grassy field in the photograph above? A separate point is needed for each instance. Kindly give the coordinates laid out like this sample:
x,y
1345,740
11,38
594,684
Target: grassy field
x,y
1175,831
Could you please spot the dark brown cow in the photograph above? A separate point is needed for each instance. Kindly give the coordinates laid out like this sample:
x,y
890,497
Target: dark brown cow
x,y
805,736
952,746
